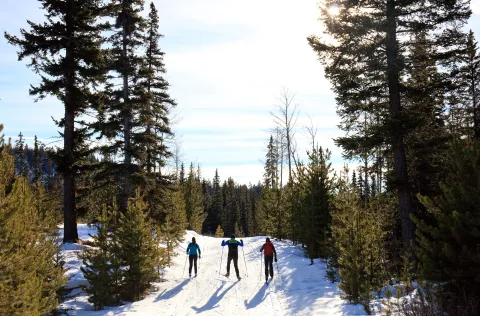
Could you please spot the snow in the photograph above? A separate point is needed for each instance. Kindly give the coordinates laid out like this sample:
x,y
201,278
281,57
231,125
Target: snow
x,y
298,288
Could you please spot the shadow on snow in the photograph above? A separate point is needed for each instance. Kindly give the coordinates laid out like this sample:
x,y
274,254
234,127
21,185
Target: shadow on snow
x,y
172,292
214,299
258,298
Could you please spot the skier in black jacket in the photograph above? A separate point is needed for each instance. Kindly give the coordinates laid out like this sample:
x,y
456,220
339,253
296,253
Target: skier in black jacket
x,y
232,254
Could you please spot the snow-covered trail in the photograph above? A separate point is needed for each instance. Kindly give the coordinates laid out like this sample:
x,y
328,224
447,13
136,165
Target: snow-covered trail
x,y
298,288
209,293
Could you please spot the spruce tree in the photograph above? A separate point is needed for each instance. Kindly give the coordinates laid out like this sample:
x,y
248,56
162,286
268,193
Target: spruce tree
x,y
448,247
175,223
119,116
465,112
366,63
21,163
100,265
359,238
156,103
65,51
271,164
194,202
426,143
318,202
137,248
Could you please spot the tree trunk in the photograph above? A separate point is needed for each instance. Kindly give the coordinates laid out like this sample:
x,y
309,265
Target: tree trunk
x,y
400,160
69,211
126,122
476,113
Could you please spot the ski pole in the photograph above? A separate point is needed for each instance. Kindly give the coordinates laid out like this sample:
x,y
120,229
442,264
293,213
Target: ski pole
x,y
244,260
261,260
184,266
221,258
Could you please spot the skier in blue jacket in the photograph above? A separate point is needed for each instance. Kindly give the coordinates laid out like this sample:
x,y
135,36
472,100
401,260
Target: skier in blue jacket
x,y
232,253
193,252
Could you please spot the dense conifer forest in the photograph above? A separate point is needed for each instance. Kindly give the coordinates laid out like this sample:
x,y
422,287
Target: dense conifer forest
x,y
406,78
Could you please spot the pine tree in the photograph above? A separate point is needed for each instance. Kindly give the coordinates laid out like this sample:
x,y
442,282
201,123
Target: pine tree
x,y
271,164
359,238
120,117
152,89
426,144
219,232
464,110
66,52
173,228
100,265
30,280
137,248
317,202
366,62
448,247
194,202
21,163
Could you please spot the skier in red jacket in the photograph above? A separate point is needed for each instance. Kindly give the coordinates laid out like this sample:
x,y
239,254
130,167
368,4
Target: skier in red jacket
x,y
268,251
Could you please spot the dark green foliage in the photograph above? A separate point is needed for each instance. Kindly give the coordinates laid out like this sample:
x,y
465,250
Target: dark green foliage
x,y
101,266
367,61
448,248
317,202
119,115
194,201
175,223
21,162
136,242
65,51
359,237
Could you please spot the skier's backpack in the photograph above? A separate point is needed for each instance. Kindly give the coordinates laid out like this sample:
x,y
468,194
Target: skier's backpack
x,y
268,249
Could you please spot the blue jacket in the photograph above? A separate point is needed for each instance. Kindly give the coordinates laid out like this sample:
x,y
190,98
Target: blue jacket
x,y
193,249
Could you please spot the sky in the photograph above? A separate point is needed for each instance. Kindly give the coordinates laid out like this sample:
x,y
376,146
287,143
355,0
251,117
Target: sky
x,y
227,63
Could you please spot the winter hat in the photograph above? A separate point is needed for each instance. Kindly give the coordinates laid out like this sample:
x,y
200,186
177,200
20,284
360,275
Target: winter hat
x,y
232,236
268,239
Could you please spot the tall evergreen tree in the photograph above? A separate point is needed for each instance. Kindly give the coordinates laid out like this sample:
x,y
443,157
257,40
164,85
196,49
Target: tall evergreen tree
x,y
271,165
448,247
465,113
318,202
194,202
21,162
65,50
153,91
366,62
119,117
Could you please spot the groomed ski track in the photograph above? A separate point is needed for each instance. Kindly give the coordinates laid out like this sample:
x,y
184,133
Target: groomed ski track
x,y
299,288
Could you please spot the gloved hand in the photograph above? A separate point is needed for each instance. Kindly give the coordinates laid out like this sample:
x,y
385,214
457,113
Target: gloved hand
x,y
275,259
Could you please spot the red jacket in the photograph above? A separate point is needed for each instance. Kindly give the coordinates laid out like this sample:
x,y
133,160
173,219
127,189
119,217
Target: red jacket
x,y
268,249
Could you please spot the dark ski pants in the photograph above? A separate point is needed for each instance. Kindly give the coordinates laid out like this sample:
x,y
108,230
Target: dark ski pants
x,y
268,265
234,257
192,259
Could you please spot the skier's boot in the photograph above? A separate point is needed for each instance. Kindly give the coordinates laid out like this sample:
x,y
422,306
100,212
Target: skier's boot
x,y
189,275
239,278
227,275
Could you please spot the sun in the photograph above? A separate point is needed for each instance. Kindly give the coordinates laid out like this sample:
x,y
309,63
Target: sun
x,y
333,10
